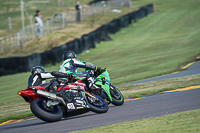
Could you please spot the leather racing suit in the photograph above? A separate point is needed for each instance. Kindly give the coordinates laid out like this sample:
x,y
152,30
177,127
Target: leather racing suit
x,y
40,79
72,65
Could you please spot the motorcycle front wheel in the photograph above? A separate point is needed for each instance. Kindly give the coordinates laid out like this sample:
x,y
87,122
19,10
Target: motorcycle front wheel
x,y
117,97
39,109
97,104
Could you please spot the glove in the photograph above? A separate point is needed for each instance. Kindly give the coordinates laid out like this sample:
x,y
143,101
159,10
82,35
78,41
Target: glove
x,y
98,69
70,76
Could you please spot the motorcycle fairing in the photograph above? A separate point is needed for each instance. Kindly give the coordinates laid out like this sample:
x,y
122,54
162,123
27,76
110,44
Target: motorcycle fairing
x,y
78,101
28,94
103,80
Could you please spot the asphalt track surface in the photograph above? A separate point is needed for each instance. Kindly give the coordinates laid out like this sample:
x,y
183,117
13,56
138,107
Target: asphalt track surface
x,y
135,109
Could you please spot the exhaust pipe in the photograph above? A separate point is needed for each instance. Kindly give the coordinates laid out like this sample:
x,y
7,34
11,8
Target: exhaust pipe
x,y
49,95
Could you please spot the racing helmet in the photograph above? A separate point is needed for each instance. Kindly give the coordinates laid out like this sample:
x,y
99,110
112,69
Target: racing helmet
x,y
69,54
37,69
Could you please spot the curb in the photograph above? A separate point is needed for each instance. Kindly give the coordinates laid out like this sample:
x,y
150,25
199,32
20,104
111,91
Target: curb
x,y
166,92
187,65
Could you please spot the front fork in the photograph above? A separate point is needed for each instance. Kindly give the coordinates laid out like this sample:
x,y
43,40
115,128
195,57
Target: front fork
x,y
105,93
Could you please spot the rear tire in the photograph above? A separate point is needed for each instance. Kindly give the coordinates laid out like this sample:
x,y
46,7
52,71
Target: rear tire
x,y
46,115
117,97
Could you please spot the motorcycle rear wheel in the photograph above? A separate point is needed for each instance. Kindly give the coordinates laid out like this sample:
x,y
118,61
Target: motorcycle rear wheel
x,y
117,97
38,109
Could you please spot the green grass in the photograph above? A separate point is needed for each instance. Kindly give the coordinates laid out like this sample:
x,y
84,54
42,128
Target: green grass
x,y
188,121
155,45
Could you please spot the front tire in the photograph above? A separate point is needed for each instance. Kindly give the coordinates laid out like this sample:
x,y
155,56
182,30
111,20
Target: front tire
x,y
97,104
38,109
117,97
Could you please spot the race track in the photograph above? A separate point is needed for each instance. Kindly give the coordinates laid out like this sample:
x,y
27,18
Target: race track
x,y
135,109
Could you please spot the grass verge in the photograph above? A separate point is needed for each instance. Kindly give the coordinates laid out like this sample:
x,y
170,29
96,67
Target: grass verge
x,y
175,123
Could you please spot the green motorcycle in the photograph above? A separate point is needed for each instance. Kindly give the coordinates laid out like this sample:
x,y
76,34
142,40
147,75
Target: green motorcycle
x,y
107,92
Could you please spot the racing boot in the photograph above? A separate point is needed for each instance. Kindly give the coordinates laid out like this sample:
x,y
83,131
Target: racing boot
x,y
52,89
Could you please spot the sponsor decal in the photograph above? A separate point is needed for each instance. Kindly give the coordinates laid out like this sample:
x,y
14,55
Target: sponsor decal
x,y
78,98
70,106
80,103
79,107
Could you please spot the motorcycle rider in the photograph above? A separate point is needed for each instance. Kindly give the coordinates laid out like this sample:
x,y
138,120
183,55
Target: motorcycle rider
x,y
39,75
71,65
